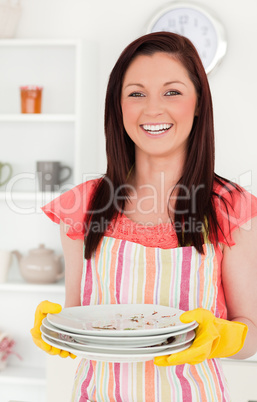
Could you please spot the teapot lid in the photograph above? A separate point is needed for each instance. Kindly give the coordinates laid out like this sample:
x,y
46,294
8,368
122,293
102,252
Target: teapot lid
x,y
41,250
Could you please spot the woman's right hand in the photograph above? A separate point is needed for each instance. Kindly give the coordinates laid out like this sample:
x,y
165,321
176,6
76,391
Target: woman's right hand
x,y
42,310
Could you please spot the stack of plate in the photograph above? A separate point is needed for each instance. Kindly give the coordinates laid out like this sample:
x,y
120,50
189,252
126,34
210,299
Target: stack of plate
x,y
118,332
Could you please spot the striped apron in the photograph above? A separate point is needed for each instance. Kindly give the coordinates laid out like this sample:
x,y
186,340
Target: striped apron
x,y
123,272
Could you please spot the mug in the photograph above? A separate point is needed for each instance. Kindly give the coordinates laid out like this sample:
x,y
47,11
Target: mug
x,y
5,263
2,166
49,175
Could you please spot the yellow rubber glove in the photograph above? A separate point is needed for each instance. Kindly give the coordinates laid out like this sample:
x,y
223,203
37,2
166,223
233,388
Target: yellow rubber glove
x,y
215,337
42,310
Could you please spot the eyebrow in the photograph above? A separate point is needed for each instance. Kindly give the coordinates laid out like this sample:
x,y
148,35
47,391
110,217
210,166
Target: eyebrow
x,y
166,83
174,82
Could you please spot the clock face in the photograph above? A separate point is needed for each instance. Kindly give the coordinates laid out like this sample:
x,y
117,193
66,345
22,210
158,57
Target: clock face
x,y
196,24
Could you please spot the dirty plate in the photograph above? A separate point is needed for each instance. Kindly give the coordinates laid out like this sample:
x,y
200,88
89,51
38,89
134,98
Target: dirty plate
x,y
119,320
114,356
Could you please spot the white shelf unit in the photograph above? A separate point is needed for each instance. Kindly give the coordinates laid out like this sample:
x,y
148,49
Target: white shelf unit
x,y
56,65
38,118
55,134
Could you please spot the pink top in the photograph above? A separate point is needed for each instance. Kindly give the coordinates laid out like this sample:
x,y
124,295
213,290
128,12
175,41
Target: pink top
x,y
71,207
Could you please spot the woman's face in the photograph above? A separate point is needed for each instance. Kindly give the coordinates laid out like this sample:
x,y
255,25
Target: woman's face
x,y
158,102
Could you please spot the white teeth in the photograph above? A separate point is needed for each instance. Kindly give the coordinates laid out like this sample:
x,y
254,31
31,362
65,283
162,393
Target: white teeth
x,y
157,128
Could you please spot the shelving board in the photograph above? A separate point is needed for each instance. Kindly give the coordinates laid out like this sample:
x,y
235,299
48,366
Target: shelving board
x,y
23,375
37,118
19,285
28,196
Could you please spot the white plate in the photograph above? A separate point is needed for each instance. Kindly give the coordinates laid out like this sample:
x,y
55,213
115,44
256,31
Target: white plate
x,y
114,357
119,320
135,341
68,340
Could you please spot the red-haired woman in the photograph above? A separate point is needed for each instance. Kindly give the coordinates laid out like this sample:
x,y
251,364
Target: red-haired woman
x,y
160,227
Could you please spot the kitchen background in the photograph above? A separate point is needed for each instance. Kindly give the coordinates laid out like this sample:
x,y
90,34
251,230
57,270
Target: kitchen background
x,y
69,47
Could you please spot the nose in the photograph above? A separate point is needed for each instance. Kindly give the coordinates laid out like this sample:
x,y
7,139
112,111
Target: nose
x,y
153,106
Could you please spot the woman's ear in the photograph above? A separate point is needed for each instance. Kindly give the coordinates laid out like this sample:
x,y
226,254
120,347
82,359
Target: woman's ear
x,y
197,111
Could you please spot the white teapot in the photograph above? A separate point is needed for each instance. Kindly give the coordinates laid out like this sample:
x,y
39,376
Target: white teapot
x,y
41,265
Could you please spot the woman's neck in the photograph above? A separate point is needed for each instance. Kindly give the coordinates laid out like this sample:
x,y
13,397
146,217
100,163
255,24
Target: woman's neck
x,y
151,184
153,171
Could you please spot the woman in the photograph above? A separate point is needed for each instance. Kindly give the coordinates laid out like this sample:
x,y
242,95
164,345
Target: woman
x,y
161,227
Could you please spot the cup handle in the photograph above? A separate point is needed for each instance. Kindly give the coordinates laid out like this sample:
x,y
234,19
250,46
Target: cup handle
x,y
69,173
10,173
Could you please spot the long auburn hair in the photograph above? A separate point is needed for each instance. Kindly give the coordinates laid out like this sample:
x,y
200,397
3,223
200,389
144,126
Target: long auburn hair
x,y
198,172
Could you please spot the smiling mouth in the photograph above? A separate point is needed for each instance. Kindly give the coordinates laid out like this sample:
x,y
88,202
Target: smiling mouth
x,y
156,128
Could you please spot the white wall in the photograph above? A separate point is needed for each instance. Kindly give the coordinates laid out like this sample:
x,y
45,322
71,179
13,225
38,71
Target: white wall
x,y
109,25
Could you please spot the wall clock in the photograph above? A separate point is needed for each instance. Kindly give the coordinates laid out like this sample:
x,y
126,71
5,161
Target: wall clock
x,y
196,23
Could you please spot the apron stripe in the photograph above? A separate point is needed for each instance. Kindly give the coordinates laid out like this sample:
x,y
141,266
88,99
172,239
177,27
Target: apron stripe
x,y
172,292
105,276
86,382
208,380
201,282
114,247
79,378
221,385
150,272
178,268
139,380
212,368
126,274
140,275
165,259
185,278
165,386
124,380
119,271
88,284
99,256
198,380
185,386
117,382
149,380
173,386
206,285
110,382
157,288
158,390
193,383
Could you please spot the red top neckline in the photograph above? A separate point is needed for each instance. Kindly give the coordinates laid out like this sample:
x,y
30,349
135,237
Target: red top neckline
x,y
72,206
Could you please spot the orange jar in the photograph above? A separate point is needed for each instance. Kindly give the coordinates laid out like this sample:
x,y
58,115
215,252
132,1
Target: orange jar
x,y
31,97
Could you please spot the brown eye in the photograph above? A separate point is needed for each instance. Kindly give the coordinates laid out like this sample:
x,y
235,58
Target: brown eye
x,y
172,93
136,95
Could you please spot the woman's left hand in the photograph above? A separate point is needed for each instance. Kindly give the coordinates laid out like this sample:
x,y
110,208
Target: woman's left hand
x,y
42,310
215,337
